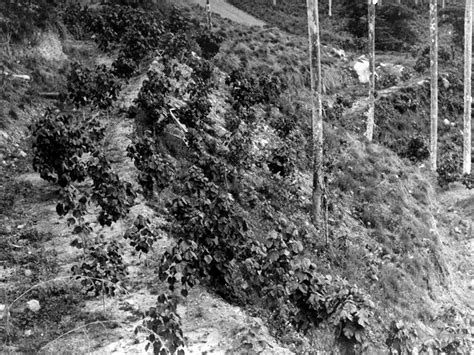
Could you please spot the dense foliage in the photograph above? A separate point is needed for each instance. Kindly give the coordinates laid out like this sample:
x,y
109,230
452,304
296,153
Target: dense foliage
x,y
208,189
21,18
60,140
393,27
97,87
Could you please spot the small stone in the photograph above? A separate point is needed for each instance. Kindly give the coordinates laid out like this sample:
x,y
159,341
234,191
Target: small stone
x,y
374,277
2,311
33,305
28,273
457,230
28,333
22,154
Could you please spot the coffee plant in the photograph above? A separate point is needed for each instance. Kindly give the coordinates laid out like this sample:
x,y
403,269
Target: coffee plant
x,y
210,43
209,234
99,87
154,102
141,234
155,170
163,325
401,337
417,149
450,164
248,90
114,196
59,142
468,181
102,270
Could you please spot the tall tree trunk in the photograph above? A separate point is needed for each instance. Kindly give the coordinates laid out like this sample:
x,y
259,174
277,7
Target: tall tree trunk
x,y
434,82
371,114
330,8
466,166
208,15
316,104
274,3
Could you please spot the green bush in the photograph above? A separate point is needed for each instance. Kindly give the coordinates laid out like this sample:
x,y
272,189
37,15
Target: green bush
x,y
21,18
393,28
98,87
59,142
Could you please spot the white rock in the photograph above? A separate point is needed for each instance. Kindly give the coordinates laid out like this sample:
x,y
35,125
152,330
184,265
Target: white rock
x,y
33,305
361,67
2,310
21,77
28,333
22,153
447,122
28,272
446,83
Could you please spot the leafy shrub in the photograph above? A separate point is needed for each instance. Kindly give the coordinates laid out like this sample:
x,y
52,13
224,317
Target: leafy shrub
x,y
155,170
23,17
124,67
401,337
468,181
141,234
449,164
76,19
163,324
114,196
97,87
417,149
454,15
153,101
282,160
209,234
393,30
423,59
209,42
248,90
102,270
59,141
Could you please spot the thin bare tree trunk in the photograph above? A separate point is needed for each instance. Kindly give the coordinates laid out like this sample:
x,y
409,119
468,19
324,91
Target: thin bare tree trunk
x,y
434,81
466,166
330,8
371,114
208,14
316,104
274,3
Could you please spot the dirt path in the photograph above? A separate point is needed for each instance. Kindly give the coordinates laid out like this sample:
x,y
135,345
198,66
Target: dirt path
x,y
226,10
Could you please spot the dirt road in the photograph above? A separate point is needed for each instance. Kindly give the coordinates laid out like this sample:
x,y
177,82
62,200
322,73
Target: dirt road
x,y
226,10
